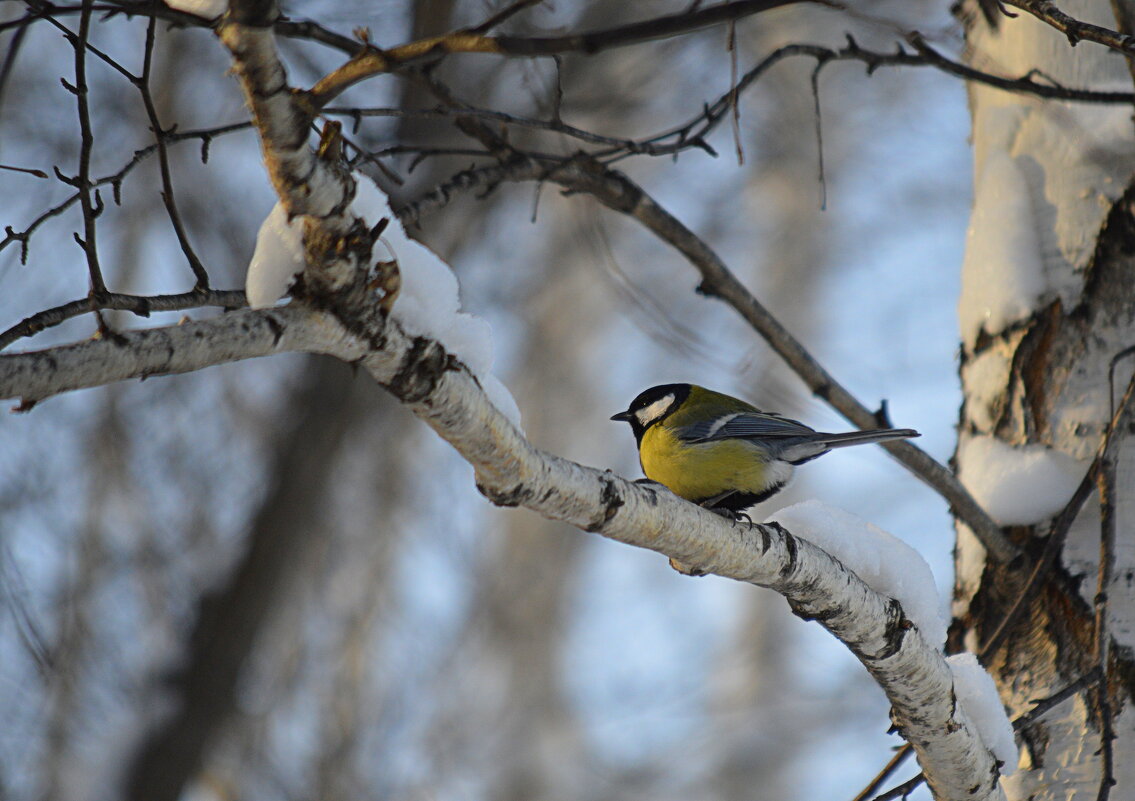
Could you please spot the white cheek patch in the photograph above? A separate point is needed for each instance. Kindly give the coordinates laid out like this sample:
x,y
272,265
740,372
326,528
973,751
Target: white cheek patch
x,y
649,414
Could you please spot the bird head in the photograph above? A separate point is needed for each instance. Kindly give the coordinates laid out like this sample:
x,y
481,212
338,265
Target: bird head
x,y
653,405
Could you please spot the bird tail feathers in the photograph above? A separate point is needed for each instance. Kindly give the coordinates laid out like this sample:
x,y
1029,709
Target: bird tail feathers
x,y
863,437
822,443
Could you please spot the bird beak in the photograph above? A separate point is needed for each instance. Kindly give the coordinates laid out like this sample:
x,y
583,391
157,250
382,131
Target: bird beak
x,y
622,416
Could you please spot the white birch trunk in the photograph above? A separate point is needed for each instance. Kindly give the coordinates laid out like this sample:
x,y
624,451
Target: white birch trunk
x,y
1046,304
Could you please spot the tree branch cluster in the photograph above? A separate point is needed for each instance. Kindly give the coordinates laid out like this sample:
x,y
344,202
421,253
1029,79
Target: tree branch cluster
x,y
338,319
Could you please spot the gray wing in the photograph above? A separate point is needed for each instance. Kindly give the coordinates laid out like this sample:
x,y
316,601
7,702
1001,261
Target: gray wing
x,y
744,425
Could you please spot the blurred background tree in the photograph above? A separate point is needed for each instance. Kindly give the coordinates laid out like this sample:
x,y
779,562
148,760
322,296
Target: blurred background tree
x,y
266,580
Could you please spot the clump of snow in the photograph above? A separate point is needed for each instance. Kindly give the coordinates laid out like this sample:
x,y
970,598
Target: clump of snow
x,y
1002,272
209,9
1017,486
884,562
428,303
977,694
277,259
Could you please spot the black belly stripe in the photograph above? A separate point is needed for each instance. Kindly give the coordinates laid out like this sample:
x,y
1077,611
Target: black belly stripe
x,y
742,500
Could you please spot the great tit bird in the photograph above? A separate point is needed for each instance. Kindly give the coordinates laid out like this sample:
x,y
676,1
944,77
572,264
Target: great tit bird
x,y
721,452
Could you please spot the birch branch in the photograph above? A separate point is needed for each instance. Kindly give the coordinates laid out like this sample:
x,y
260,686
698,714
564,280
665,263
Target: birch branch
x,y
337,245
510,471
35,375
616,191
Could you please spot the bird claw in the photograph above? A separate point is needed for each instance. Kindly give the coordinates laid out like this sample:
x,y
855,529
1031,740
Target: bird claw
x,y
729,514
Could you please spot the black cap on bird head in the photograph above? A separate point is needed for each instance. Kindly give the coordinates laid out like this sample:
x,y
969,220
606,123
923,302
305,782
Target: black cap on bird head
x,y
652,405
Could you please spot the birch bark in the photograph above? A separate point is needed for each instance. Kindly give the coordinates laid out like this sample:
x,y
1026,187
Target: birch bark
x,y
1046,304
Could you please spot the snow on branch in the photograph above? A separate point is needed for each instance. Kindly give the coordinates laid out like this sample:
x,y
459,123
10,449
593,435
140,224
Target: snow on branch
x,y
510,471
339,315
614,189
35,375
306,184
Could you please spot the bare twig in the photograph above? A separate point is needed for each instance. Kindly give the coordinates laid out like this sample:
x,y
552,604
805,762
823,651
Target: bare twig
x,y
1101,651
1025,85
1042,705
373,61
94,51
114,181
143,306
82,184
619,193
896,760
26,170
693,133
815,84
1076,30
734,101
14,48
143,85
902,790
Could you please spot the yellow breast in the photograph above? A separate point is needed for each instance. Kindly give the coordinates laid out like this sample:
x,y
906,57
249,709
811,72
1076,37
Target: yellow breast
x,y
704,470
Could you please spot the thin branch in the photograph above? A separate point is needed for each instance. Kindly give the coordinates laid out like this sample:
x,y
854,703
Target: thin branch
x,y
9,64
1102,639
902,790
819,124
143,306
1025,85
293,29
734,100
553,125
373,61
71,37
693,132
1076,30
510,471
896,760
168,199
619,193
82,181
1043,705
25,170
115,181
